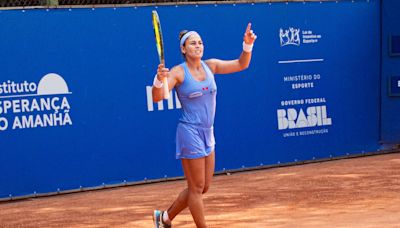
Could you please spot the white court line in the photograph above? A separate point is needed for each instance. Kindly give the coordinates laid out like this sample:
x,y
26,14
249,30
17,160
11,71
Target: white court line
x,y
32,95
301,61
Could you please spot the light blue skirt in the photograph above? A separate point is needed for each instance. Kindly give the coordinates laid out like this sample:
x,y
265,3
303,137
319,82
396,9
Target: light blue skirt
x,y
194,142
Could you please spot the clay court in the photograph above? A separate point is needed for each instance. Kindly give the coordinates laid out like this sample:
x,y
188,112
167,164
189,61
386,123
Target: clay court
x,y
357,192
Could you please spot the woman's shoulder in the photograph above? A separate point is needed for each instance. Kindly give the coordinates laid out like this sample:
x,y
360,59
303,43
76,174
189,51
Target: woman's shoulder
x,y
212,63
178,69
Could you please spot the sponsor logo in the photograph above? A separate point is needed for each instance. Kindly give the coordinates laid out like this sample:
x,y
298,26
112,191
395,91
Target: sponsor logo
x,y
296,37
289,36
293,118
29,105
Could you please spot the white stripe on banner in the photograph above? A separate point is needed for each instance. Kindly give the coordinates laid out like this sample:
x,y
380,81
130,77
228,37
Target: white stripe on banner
x,y
301,61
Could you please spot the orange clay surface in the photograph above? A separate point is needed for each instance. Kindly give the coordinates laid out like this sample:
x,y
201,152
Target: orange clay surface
x,y
359,192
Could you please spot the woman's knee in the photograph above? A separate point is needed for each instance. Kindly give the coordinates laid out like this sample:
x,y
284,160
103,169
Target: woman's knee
x,y
197,188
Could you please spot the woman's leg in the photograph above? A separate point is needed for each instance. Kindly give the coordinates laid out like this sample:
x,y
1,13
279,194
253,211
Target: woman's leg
x,y
194,170
179,205
181,202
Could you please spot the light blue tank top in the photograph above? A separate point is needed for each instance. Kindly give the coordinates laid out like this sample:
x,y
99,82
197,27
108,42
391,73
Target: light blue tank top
x,y
198,98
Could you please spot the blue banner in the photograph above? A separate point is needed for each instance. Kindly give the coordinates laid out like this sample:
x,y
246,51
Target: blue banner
x,y
76,107
390,102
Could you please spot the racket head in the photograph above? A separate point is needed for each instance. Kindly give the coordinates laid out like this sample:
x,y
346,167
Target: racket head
x,y
158,35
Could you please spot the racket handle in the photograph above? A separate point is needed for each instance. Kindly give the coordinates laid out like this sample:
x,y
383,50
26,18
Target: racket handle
x,y
166,89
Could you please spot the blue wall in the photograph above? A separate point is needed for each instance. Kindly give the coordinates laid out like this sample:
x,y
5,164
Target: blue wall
x,y
390,120
310,92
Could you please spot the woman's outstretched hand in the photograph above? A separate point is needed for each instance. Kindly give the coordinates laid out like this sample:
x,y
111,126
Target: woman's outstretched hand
x,y
249,36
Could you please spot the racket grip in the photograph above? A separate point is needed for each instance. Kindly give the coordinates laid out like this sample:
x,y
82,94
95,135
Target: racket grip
x,y
166,89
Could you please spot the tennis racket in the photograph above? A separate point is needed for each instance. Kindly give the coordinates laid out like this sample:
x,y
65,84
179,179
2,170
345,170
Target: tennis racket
x,y
160,48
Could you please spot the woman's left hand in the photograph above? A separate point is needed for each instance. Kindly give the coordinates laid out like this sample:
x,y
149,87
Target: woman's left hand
x,y
249,36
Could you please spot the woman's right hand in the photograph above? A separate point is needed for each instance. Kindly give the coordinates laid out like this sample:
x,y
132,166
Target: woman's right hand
x,y
162,72
169,77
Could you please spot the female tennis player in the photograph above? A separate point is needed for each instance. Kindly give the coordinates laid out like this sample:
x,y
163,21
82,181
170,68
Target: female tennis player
x,y
195,143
